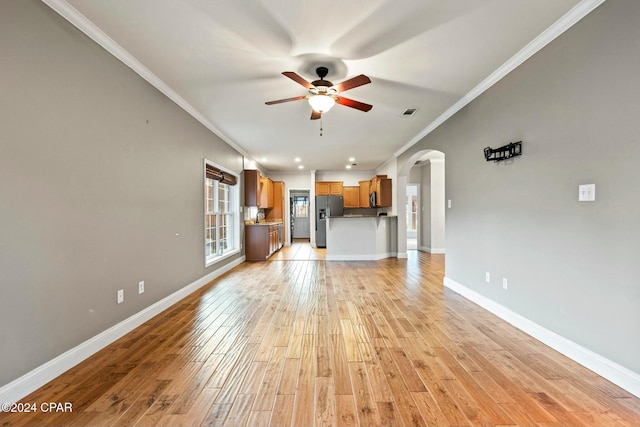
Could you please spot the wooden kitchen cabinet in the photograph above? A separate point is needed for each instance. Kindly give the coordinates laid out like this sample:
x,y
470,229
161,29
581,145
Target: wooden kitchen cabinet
x,y
336,189
381,185
276,213
273,239
329,188
322,188
364,194
351,196
266,193
262,240
251,187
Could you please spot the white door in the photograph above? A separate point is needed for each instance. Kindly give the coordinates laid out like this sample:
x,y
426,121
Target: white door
x,y
300,217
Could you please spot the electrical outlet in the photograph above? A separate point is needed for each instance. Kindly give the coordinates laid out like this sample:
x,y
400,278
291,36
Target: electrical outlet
x,y
505,284
141,287
120,296
487,277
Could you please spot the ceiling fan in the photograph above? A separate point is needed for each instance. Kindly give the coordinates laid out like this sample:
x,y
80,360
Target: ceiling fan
x,y
323,94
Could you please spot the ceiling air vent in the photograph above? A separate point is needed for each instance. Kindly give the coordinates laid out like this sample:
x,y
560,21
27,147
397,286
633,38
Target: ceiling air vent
x,y
409,112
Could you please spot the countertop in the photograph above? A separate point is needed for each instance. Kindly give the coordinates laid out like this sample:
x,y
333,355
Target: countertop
x,y
252,223
365,216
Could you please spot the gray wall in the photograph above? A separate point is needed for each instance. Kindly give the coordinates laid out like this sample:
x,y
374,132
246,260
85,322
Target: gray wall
x,y
437,215
100,187
415,175
427,206
572,267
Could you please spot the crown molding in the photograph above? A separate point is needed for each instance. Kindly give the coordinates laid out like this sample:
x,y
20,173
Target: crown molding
x,y
569,19
386,163
81,22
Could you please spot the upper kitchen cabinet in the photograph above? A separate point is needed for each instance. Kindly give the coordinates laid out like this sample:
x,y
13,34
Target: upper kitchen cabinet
x,y
329,188
351,196
364,194
277,212
266,193
258,190
381,185
251,188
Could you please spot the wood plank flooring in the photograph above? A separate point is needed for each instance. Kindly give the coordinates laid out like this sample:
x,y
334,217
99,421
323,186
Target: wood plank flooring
x,y
300,250
315,343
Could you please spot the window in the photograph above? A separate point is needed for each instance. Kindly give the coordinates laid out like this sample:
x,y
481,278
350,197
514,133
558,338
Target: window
x,y
412,208
301,206
221,204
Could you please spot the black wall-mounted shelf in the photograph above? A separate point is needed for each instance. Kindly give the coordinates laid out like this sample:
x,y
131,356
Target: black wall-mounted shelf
x,y
513,149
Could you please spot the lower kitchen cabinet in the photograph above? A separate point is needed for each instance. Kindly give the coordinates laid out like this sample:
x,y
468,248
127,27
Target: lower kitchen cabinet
x,y
262,240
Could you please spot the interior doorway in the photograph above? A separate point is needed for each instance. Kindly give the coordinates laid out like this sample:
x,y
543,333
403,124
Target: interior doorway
x,y
426,170
300,215
413,220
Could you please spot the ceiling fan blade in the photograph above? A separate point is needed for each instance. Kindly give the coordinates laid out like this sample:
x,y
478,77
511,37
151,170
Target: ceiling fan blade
x,y
280,101
315,115
352,82
298,79
353,104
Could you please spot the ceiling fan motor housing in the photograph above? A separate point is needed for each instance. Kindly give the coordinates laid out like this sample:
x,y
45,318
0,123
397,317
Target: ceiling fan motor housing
x,y
322,89
322,72
321,85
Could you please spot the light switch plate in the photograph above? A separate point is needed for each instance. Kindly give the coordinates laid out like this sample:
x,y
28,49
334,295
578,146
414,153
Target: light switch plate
x,y
586,192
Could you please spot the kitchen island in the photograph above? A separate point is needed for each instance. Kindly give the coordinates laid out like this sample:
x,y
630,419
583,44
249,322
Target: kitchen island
x,y
361,237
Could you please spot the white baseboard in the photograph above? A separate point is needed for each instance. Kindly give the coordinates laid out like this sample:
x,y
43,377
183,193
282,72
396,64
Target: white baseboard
x,y
617,374
31,381
431,250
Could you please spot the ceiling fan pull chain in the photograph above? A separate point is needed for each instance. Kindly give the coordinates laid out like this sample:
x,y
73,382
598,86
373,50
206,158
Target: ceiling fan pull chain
x,y
320,126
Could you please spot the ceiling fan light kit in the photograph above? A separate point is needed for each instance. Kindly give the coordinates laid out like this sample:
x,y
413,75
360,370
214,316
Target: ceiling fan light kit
x,y
323,94
321,103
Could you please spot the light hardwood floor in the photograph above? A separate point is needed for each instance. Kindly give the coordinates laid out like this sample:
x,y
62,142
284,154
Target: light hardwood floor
x,y
309,342
299,250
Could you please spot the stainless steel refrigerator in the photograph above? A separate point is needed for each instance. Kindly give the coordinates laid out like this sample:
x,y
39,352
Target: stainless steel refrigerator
x,y
326,206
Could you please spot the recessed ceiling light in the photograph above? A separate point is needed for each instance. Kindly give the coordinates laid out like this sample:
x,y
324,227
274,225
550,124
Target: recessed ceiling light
x,y
297,159
300,167
352,159
348,166
264,159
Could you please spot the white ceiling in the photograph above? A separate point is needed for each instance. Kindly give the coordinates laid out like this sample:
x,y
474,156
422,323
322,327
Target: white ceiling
x,y
222,59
